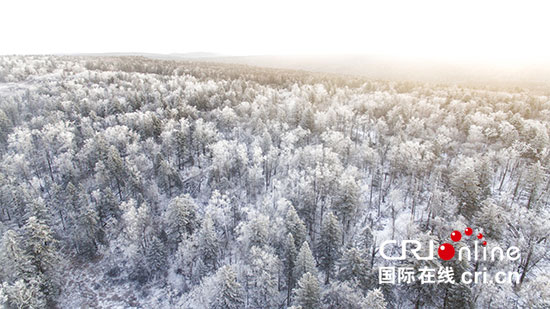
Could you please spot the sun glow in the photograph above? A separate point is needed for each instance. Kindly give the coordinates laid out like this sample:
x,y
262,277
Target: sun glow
x,y
500,31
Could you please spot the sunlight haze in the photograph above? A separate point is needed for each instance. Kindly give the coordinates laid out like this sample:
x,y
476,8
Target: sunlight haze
x,y
501,31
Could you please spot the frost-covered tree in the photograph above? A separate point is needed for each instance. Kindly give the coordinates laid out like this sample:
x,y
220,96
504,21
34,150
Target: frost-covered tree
x,y
167,175
263,279
181,217
469,184
14,258
105,204
114,167
155,255
535,183
352,266
255,231
328,246
40,245
347,200
228,292
208,243
88,230
343,295
295,226
289,262
375,299
5,125
44,257
224,215
308,292
137,221
305,263
26,294
167,170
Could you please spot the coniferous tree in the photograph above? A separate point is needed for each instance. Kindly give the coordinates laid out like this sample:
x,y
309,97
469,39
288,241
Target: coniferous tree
x,y
263,279
295,226
5,125
347,200
305,263
208,244
342,295
289,261
41,248
40,245
228,293
88,229
308,292
75,130
155,255
16,262
115,167
328,247
352,266
181,217
27,293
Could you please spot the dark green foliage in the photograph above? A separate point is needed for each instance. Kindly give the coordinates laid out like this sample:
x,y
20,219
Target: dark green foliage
x,y
328,247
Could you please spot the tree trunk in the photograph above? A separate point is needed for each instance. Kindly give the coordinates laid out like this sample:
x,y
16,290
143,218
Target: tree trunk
x,y
503,177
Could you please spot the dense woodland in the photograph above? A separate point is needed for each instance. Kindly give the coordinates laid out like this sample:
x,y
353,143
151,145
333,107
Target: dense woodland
x,y
131,182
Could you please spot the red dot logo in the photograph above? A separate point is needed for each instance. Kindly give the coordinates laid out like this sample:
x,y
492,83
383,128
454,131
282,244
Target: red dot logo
x,y
446,251
468,231
456,236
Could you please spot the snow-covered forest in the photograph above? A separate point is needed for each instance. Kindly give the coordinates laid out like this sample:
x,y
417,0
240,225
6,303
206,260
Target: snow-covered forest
x,y
132,182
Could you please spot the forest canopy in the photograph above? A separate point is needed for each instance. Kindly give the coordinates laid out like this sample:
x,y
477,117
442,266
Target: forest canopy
x,y
127,181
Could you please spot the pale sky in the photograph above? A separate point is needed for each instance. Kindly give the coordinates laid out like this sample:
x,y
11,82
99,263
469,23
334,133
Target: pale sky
x,y
501,30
